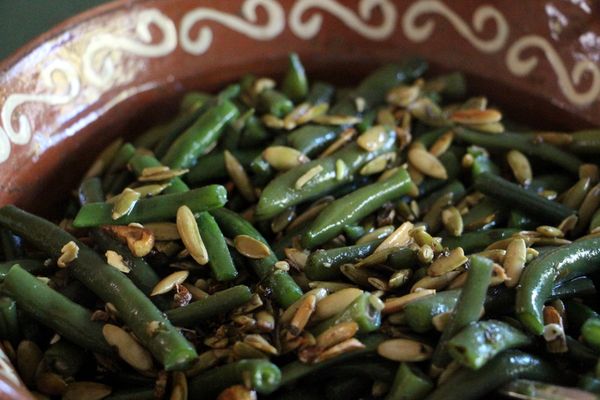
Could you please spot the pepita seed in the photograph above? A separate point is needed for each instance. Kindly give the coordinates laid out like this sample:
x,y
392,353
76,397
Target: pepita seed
x,y
190,235
425,110
496,255
378,164
265,321
588,207
250,247
167,284
549,231
237,392
283,158
272,122
493,127
554,138
399,278
86,390
125,203
282,265
283,219
404,350
50,383
160,173
454,260
291,119
341,348
415,175
398,238
337,120
305,310
388,173
335,303
589,171
554,333
260,85
337,334
69,253
569,223
393,305
475,116
403,95
297,258
575,195
452,220
425,254
180,386
440,146
426,163
520,167
289,313
307,176
435,282
151,190
29,356
440,321
373,138
239,176
140,240
260,343
314,111
197,293
129,349
341,170
114,259
163,230
514,261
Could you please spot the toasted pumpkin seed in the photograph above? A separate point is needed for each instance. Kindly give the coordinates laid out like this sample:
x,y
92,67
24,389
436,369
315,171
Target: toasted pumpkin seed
x,y
589,205
589,171
395,304
250,247
398,238
160,173
125,203
260,343
86,390
425,110
337,334
114,259
493,127
575,195
283,158
404,95
569,223
440,146
440,321
305,310
151,190
554,138
426,163
313,112
399,278
378,164
297,258
283,219
180,386
129,349
341,348
452,220
167,284
554,333
404,350
272,121
514,261
308,175
373,138
190,235
454,260
239,177
50,383
341,170
415,175
549,231
237,392
69,253
260,85
345,137
29,356
290,121
289,313
337,120
435,282
520,166
140,240
425,254
476,116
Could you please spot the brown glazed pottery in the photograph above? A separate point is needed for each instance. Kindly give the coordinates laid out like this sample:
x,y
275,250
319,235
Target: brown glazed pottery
x,y
120,68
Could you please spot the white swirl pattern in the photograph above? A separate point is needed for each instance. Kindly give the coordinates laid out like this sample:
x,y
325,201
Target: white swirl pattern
x,y
22,134
481,15
101,56
524,66
272,28
99,69
311,27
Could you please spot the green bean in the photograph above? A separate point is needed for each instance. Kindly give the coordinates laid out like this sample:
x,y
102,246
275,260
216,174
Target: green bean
x,y
254,133
469,384
281,192
565,287
345,388
260,375
353,207
429,137
274,102
311,139
520,220
580,353
557,182
590,331
11,245
122,157
90,191
455,187
9,323
368,119
478,343
589,383
375,369
452,164
595,222
212,166
477,241
420,312
214,305
111,285
361,310
54,310
184,151
468,307
232,225
323,265
410,383
320,92
452,85
159,208
140,161
510,193
293,371
578,313
64,358
295,82
524,144
29,265
586,142
146,393
481,162
354,232
536,283
219,260
402,258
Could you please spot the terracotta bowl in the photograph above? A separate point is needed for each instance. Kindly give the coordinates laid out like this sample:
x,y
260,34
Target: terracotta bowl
x,y
120,68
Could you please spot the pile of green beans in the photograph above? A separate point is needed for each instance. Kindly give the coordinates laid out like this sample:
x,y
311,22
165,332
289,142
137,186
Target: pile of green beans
x,y
294,240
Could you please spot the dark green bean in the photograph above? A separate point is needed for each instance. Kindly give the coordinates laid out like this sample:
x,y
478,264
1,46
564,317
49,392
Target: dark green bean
x,y
525,388
590,331
9,322
455,187
90,191
361,311
159,208
320,92
274,102
219,260
410,383
146,393
578,313
420,312
538,278
586,142
323,265
312,139
29,265
212,166
64,358
477,241
295,82
10,244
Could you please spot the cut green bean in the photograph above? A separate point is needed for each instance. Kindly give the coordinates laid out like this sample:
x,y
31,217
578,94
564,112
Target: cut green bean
x,y
295,82
410,383
324,265
219,260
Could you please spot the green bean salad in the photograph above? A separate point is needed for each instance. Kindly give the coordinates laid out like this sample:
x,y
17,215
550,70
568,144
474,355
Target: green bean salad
x,y
400,239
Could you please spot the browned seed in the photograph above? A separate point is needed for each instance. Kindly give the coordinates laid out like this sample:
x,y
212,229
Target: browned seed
x,y
453,367
265,321
435,282
375,258
425,110
454,260
244,321
335,303
103,159
283,158
337,120
125,203
237,392
337,334
168,282
250,247
398,238
554,138
378,164
314,111
403,95
239,176
151,190
260,343
308,176
520,166
197,293
452,220
282,265
425,254
180,386
160,173
190,235
29,356
588,207
415,175
69,253
378,283
433,216
554,333
498,275
345,137
50,383
373,138
568,224
296,258
492,127
291,119
114,259
476,116
260,85
440,321
575,195
387,174
341,348
549,231
287,316
272,121
400,278
127,347
496,255
404,350
86,390
395,304
140,241
440,146
302,315
426,163
476,102
403,136
589,171
467,160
